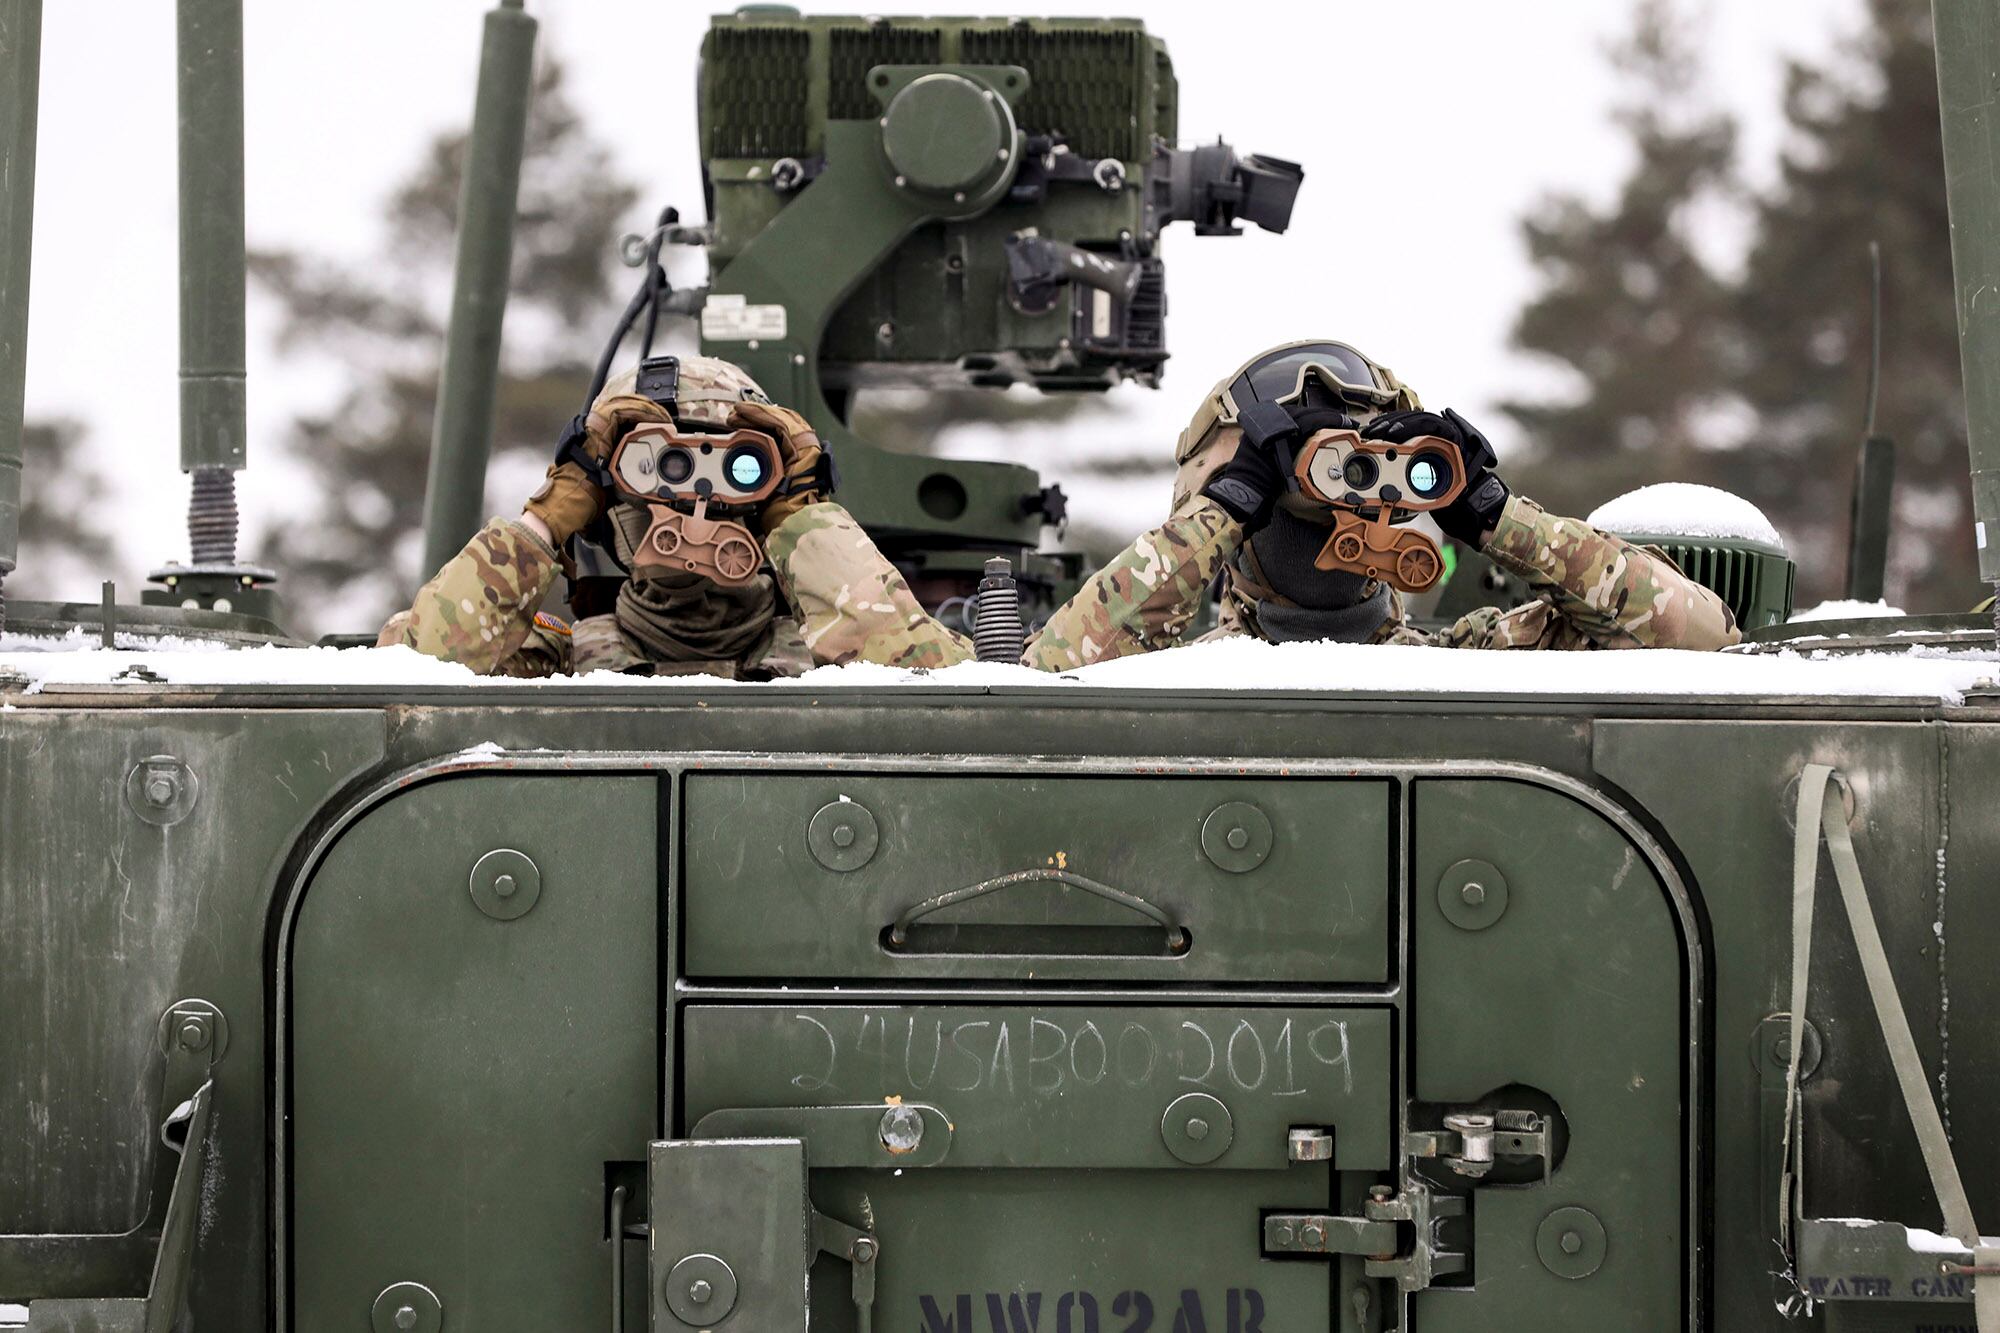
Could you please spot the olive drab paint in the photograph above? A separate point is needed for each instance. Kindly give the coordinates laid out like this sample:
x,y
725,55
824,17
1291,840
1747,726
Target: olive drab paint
x,y
925,1004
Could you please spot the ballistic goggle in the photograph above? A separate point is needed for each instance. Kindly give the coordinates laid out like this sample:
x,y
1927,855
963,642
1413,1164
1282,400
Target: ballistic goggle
x,y
1313,374
1372,486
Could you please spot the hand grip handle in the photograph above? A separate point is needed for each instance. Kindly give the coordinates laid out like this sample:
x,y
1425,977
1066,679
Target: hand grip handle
x,y
1176,936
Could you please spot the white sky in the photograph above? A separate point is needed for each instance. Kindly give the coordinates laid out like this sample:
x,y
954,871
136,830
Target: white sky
x,y
1449,116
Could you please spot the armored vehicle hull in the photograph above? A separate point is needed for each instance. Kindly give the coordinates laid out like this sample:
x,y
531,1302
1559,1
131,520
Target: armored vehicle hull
x,y
539,1007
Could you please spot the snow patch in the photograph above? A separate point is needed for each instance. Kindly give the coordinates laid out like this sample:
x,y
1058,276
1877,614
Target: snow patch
x,y
1684,509
1227,665
1846,609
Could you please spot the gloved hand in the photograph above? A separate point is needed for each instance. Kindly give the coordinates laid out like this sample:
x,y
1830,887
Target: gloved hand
x,y
572,496
1249,484
806,475
567,503
1474,513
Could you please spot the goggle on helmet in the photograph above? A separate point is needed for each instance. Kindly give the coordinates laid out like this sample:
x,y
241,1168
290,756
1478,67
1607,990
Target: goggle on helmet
x,y
1313,373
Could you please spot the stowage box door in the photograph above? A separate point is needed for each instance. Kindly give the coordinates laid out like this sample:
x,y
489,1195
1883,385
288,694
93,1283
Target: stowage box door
x,y
1012,876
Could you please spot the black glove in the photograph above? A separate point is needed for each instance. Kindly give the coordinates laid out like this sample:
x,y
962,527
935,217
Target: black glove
x,y
1249,484
1477,509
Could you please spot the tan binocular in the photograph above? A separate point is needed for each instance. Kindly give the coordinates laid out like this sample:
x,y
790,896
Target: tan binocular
x,y
678,477
1371,484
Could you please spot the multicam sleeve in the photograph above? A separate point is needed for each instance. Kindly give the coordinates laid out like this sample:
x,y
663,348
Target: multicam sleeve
x,y
479,610
1146,596
852,604
1595,591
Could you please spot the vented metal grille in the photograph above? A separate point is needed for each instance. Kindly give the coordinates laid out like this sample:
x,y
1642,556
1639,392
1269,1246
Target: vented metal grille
x,y
1083,84
1146,318
852,52
756,79
1757,586
1166,96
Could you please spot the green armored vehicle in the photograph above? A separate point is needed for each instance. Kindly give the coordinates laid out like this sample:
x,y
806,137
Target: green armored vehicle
x,y
1308,987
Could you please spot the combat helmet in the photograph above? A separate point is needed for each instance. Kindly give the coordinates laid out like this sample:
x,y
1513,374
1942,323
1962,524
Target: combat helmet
x,y
1272,588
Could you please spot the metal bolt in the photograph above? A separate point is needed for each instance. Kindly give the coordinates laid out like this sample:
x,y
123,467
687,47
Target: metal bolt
x,y
161,788
902,1129
504,885
194,1035
1197,1129
1313,1236
699,1291
863,1250
1473,894
1382,1193
406,1316
1782,1051
844,836
1238,838
958,197
1284,1233
1570,1242
902,181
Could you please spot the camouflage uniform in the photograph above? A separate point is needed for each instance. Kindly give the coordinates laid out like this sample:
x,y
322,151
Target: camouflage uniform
x,y
480,609
1593,590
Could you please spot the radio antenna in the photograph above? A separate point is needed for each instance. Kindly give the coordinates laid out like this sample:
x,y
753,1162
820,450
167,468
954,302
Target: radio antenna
x,y
1874,333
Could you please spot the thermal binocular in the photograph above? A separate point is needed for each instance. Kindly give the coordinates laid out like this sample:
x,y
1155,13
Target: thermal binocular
x,y
1372,484
678,476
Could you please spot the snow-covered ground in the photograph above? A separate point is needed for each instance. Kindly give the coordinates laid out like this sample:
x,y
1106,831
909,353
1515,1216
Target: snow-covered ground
x,y
1233,665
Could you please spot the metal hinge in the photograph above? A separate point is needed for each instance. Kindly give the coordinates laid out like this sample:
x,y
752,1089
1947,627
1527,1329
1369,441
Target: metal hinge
x,y
1396,1235
1471,1142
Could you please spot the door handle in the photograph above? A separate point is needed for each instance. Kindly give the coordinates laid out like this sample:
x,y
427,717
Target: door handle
x,y
899,933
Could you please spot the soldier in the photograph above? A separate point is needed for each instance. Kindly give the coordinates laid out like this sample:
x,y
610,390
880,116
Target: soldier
x,y
1234,519
482,609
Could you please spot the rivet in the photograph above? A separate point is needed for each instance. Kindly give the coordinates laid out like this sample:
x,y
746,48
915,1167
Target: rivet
x,y
1472,894
1197,1129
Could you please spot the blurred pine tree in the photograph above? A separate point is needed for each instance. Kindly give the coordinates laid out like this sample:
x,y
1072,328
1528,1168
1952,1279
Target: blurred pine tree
x,y
1756,382
348,554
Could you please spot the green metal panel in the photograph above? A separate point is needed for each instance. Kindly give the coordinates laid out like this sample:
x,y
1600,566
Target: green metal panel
x,y
20,87
1059,1085
768,892
1968,66
1736,836
1093,1210
109,913
1120,1251
459,1081
1577,990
